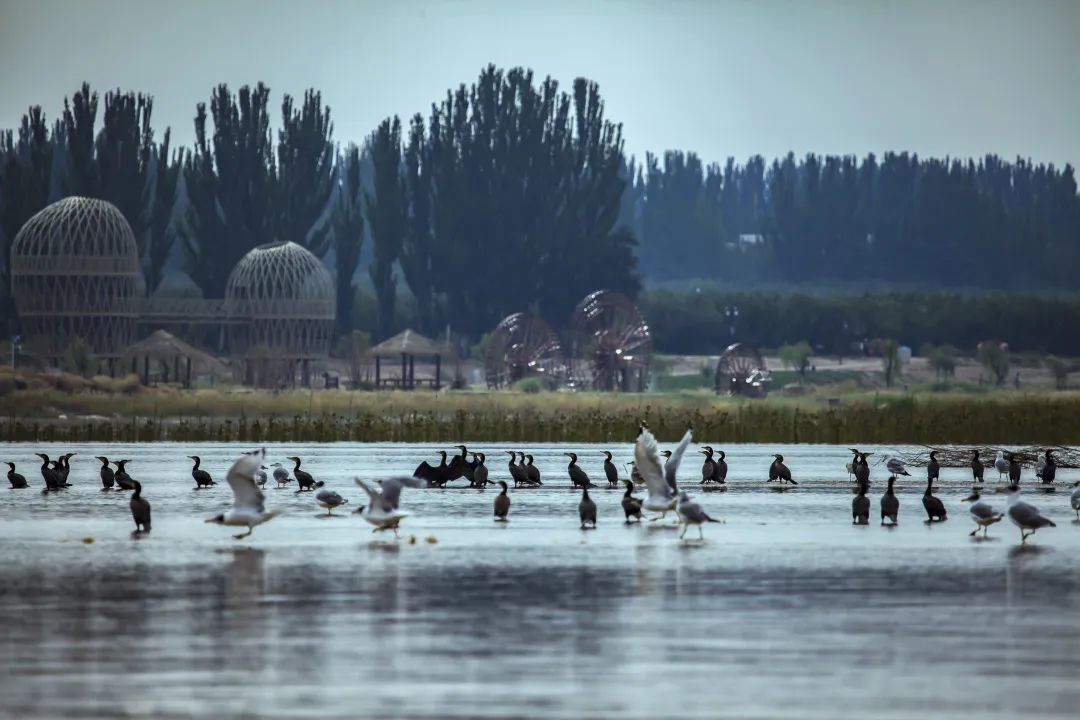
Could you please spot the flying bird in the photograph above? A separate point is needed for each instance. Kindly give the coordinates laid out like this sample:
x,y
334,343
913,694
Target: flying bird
x,y
502,503
691,514
249,506
981,512
660,484
384,501
1024,515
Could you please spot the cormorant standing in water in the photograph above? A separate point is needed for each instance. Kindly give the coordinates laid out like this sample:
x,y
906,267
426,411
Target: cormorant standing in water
x,y
517,472
578,478
853,463
631,506
123,480
977,468
303,478
1049,470
890,504
720,469
935,509
862,470
52,480
435,476
532,473
202,478
1014,470
480,471
140,509
64,468
933,469
708,468
610,471
17,481
779,471
860,507
586,509
108,478
502,503
460,466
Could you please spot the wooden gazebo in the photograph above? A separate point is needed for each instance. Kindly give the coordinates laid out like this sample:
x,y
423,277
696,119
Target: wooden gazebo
x,y
406,346
172,359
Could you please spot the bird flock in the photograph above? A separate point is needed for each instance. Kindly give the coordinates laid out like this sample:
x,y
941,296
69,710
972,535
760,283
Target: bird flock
x,y
651,469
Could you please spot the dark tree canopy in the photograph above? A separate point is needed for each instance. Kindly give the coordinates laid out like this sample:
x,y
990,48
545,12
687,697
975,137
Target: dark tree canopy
x,y
347,228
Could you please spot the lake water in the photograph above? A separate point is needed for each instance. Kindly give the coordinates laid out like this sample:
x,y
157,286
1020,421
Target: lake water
x,y
785,610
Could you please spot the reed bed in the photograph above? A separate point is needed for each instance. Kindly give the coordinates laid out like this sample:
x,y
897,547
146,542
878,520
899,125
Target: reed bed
x,y
248,416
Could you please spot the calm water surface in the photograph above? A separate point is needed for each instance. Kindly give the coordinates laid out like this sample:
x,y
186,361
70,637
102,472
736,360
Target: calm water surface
x,y
785,610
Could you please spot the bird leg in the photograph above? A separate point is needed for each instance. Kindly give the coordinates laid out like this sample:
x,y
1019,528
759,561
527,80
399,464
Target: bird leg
x,y
683,533
700,533
974,532
243,535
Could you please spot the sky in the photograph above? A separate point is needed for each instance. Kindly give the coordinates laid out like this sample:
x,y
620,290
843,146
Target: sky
x,y
719,77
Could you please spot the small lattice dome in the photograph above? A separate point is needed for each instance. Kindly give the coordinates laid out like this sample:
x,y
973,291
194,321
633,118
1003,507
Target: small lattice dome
x,y
280,299
75,273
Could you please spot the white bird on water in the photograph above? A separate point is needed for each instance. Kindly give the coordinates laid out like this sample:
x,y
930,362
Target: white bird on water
x,y
691,514
1074,499
1024,515
1001,465
896,467
660,483
328,499
982,512
382,511
249,508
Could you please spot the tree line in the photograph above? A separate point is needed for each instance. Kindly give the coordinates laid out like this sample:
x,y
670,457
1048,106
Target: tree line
x,y
511,193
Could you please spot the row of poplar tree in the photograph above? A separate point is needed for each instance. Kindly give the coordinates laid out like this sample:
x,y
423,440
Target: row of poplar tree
x,y
512,194
504,198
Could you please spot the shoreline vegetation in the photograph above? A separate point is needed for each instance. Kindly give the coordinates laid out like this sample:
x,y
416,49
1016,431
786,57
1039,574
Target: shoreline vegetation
x,y
167,414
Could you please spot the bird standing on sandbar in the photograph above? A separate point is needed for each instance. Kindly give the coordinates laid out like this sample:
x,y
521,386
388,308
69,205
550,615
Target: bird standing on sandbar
x,y
610,471
260,476
201,477
933,468
328,499
17,481
860,507
1015,470
65,468
779,471
249,504
123,479
1048,473
384,501
108,477
1001,465
708,466
935,509
517,472
1024,515
691,513
48,474
631,506
981,512
586,509
862,470
720,468
281,475
852,463
140,509
896,467
890,504
532,473
502,503
480,471
977,468
434,475
578,478
304,480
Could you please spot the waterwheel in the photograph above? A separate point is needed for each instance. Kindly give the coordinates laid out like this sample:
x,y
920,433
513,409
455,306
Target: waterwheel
x,y
609,346
523,346
741,370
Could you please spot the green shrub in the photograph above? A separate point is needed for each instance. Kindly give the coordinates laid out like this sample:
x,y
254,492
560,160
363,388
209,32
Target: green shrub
x,y
530,385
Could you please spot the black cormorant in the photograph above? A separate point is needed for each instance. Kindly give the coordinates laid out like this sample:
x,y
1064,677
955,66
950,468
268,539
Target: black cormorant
x,y
977,468
48,474
610,471
108,478
1049,469
140,509
708,468
860,507
459,466
64,468
532,473
303,478
434,475
586,509
502,503
890,504
933,469
201,477
720,469
123,480
17,481
935,509
779,471
1014,470
631,506
517,472
862,469
578,478
480,471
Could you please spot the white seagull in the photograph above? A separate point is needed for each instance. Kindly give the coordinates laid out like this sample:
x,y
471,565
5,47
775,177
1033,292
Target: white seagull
x,y
896,467
982,512
691,514
1024,515
382,511
328,499
281,475
249,508
660,483
1074,499
1001,465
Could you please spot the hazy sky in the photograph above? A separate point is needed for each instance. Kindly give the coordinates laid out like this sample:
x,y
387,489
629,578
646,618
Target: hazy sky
x,y
720,77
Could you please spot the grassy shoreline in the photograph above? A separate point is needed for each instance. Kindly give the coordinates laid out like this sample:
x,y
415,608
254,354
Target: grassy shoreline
x,y
251,416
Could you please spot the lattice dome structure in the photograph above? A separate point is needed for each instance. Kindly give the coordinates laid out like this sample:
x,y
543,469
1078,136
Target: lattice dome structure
x,y
609,345
523,346
280,306
75,273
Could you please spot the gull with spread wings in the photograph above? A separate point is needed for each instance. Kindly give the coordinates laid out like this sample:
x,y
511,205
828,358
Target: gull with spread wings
x,y
249,507
660,482
382,511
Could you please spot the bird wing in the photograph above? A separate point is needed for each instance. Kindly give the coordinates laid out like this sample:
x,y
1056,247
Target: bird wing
x,y
647,463
391,490
895,465
373,495
424,470
692,511
1026,515
983,511
328,496
241,478
672,464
